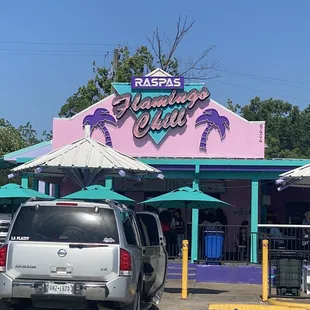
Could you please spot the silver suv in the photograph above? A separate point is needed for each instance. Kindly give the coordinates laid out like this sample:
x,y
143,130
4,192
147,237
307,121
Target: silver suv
x,y
82,255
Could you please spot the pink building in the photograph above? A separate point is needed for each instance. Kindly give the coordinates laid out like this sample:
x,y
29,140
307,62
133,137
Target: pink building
x,y
193,139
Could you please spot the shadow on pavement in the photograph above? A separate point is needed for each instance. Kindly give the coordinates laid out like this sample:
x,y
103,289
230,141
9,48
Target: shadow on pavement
x,y
177,290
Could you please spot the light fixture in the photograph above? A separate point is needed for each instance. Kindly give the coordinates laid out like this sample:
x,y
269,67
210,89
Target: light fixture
x,y
11,176
122,173
160,176
279,181
38,170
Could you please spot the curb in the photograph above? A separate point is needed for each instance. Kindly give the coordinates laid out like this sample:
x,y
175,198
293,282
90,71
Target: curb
x,y
288,303
255,307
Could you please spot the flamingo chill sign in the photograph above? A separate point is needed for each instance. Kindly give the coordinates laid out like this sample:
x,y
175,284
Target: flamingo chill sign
x,y
157,113
159,104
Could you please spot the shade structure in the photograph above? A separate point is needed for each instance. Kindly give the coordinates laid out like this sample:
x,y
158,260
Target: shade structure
x,y
298,177
16,194
86,161
185,197
98,192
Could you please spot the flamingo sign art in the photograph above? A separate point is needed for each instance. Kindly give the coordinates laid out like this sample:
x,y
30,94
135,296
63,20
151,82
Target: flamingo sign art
x,y
157,113
214,121
98,120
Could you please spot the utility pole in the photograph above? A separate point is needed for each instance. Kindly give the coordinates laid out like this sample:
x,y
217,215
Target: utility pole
x,y
114,67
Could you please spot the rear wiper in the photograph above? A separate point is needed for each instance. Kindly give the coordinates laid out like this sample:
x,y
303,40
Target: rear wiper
x,y
82,245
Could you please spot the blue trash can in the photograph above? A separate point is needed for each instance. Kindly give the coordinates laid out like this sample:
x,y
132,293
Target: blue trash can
x,y
213,244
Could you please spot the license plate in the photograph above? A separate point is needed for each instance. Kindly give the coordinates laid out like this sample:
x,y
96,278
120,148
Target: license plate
x,y
65,289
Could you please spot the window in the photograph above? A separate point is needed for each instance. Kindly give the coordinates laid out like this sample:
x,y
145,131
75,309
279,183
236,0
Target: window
x,y
129,228
65,224
148,226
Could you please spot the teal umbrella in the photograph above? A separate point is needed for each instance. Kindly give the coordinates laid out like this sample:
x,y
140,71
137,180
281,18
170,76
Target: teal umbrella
x,y
15,194
186,197
98,192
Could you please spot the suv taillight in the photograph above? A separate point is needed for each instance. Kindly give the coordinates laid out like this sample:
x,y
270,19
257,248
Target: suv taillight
x,y
125,265
3,253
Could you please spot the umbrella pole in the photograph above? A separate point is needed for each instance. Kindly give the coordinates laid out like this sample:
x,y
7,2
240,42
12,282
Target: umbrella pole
x,y
185,234
12,206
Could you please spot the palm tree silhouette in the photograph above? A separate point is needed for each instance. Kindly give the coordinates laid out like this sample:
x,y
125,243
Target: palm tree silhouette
x,y
214,121
98,120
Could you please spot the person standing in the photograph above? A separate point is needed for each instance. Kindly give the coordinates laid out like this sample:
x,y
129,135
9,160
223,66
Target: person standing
x,y
178,227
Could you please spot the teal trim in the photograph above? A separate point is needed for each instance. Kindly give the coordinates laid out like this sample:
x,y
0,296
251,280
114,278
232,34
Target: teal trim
x,y
231,175
195,221
22,160
47,188
24,181
254,220
57,191
224,162
27,149
109,182
263,218
35,185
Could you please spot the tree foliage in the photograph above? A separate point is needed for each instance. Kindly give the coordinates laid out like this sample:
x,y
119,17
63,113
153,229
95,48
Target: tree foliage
x,y
13,139
287,127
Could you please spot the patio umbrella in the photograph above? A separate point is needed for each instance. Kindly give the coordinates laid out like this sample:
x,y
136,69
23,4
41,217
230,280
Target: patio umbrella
x,y
98,192
185,197
15,194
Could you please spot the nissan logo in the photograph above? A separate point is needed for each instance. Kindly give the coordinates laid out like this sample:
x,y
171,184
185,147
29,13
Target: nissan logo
x,y
62,253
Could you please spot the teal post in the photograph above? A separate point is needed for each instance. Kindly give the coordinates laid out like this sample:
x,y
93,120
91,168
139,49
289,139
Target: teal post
x,y
254,220
35,185
195,221
57,191
263,206
47,188
24,181
109,182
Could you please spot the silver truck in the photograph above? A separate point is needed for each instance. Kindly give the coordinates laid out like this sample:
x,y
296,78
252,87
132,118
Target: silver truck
x,y
82,255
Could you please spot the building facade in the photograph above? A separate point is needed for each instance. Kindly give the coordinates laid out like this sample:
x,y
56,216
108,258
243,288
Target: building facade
x,y
194,140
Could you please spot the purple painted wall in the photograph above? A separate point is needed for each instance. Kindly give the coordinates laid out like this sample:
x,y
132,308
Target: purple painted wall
x,y
229,274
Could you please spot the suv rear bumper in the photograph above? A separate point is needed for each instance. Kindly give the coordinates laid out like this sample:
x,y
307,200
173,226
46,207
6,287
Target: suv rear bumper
x,y
120,289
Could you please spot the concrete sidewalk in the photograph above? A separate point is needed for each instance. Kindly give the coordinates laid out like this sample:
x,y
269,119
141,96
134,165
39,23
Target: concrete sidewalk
x,y
214,296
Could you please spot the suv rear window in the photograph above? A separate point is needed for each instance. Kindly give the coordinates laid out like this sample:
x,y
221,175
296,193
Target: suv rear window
x,y
65,224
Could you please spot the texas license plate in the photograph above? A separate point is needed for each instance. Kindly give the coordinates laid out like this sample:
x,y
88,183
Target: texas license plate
x,y
54,288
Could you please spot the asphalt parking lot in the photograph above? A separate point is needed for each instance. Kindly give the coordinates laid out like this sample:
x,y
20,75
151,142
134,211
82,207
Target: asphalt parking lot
x,y
200,295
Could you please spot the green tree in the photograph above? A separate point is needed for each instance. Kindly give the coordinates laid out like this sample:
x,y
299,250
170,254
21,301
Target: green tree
x,y
10,138
13,139
160,53
29,134
235,108
47,135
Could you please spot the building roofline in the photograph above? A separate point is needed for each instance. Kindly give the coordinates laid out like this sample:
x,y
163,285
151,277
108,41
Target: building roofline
x,y
26,149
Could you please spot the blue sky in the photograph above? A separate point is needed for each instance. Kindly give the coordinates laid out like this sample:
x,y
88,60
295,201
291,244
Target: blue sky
x,y
267,40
